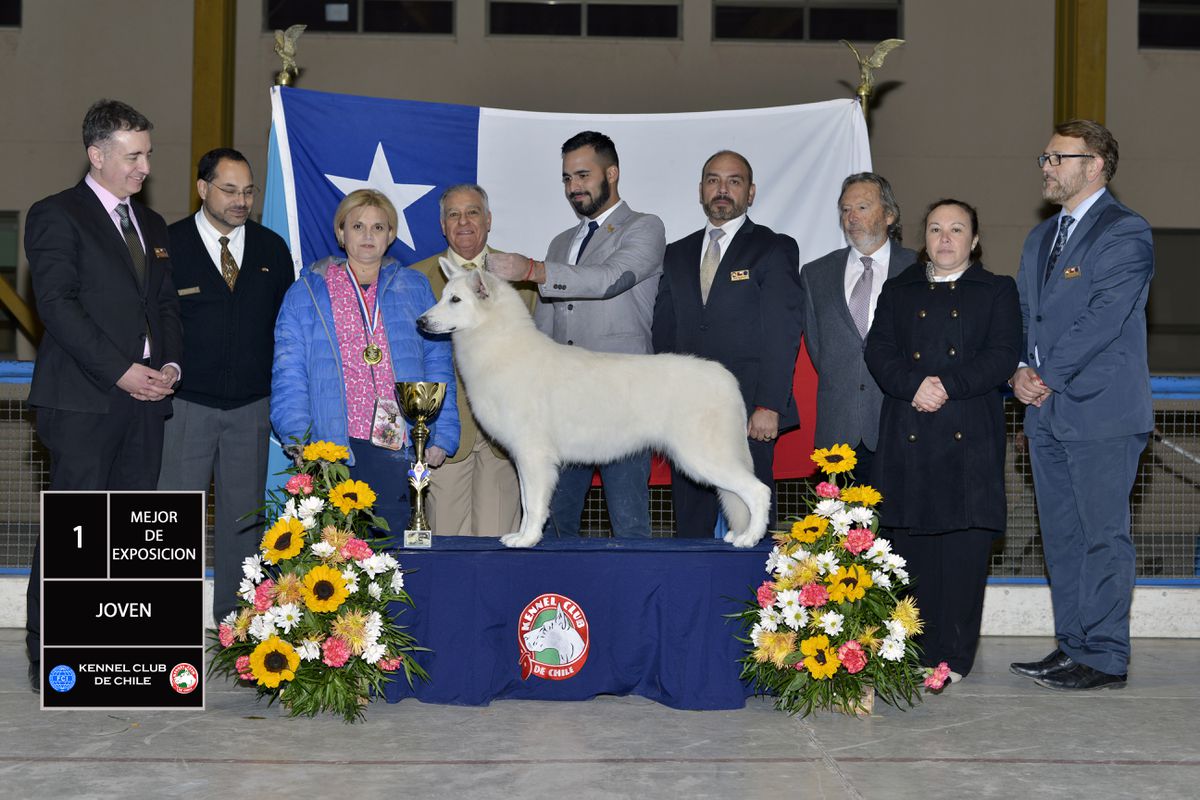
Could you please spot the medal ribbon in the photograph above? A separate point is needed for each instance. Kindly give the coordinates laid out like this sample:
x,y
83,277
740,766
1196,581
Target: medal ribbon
x,y
370,317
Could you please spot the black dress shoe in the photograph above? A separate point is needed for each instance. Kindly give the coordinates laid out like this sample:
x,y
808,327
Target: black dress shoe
x,y
1037,669
35,677
1081,677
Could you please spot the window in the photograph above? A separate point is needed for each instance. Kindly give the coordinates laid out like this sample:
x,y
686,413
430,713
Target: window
x,y
628,19
816,20
10,13
1169,24
8,271
1174,334
362,16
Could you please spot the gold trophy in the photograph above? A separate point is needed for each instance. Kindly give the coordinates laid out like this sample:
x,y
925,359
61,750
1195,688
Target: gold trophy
x,y
419,400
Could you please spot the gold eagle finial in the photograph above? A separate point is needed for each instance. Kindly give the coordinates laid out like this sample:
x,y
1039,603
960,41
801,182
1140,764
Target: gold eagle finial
x,y
285,48
868,65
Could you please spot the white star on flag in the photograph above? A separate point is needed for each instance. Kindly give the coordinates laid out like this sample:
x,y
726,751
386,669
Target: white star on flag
x,y
402,195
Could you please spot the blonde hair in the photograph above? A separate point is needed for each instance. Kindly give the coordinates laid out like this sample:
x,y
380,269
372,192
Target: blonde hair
x,y
363,198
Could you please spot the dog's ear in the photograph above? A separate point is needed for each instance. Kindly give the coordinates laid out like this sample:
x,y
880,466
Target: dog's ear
x,y
449,268
477,281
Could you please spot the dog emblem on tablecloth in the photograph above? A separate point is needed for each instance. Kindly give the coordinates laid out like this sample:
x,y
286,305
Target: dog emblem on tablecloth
x,y
554,637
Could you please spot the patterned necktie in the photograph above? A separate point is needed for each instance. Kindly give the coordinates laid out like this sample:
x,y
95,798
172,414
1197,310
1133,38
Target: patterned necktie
x,y
229,267
1064,226
583,245
133,243
860,298
708,265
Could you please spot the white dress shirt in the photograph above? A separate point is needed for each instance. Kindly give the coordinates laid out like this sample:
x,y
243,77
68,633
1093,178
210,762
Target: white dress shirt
x,y
879,274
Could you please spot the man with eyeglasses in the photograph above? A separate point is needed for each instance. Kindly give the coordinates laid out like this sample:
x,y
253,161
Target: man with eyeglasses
x,y
1084,279
231,274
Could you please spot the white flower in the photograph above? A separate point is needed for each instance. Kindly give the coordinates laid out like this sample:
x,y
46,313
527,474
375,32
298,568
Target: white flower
x,y
862,516
841,521
788,598
374,626
891,649
773,559
321,549
289,509
261,627
285,617
901,574
796,617
756,635
831,622
896,629
397,581
879,550
785,567
350,576
376,564
894,562
826,562
246,590
252,568
309,650
230,618
881,579
308,510
769,619
374,590
373,652
828,507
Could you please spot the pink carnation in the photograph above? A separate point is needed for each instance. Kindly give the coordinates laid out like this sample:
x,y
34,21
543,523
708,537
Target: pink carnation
x,y
225,635
243,668
390,664
264,595
337,651
766,594
937,676
299,484
852,656
828,490
356,549
813,595
859,539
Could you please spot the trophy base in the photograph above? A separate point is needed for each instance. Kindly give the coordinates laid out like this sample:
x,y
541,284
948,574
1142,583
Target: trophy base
x,y
418,539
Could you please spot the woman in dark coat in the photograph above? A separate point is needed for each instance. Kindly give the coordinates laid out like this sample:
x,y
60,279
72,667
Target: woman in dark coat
x,y
946,337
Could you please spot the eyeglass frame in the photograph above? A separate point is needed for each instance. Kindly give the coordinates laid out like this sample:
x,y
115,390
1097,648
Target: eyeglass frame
x,y
1055,159
249,193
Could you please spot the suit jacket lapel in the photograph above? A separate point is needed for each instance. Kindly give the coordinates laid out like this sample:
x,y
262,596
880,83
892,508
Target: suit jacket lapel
x,y
606,230
107,229
837,291
734,251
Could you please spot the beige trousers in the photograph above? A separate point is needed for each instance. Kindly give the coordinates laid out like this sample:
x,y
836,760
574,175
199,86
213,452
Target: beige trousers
x,y
478,496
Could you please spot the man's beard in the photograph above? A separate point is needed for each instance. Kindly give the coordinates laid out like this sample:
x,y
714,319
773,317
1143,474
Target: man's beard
x,y
587,209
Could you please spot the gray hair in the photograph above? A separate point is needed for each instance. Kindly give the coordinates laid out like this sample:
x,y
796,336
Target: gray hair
x,y
462,187
886,196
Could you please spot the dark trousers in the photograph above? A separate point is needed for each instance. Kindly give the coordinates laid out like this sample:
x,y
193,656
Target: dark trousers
x,y
948,573
118,450
864,458
1083,507
626,494
388,478
696,505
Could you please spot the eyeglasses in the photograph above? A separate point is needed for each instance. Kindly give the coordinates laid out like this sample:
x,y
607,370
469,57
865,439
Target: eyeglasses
x,y
247,193
1054,159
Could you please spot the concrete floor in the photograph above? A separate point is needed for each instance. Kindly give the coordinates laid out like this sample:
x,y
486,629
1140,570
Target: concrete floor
x,y
994,735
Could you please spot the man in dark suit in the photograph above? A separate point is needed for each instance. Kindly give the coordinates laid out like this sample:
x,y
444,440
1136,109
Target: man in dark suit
x,y
231,274
730,292
1084,279
109,358
841,290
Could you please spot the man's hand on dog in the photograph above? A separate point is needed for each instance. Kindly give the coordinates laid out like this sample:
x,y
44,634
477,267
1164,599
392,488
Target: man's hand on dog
x,y
514,267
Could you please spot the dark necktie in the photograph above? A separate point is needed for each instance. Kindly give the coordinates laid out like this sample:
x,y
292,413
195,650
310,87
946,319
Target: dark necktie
x,y
1064,227
583,245
133,243
229,267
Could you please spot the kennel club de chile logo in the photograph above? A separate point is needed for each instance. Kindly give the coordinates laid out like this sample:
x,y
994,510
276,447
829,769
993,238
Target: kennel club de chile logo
x,y
554,636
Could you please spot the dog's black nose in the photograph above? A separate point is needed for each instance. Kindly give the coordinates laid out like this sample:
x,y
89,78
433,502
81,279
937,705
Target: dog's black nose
x,y
422,324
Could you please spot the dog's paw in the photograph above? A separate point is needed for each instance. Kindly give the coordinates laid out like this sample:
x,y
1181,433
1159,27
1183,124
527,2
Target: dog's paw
x,y
729,537
519,539
743,539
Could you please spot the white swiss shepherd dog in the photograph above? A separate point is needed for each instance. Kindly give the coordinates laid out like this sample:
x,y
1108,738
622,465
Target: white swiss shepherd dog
x,y
549,404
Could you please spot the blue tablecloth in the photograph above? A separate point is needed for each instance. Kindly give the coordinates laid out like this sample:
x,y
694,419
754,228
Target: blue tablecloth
x,y
654,612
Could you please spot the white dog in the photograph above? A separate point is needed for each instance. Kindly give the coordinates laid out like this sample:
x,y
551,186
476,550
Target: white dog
x,y
556,633
549,404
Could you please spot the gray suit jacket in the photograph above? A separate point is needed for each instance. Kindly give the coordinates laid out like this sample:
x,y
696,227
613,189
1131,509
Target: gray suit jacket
x,y
606,301
848,399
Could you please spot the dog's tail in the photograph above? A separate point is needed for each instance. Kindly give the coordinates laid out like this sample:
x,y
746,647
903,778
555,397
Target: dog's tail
x,y
737,513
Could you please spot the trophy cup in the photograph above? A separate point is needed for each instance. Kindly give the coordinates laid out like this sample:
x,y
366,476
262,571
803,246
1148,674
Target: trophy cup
x,y
419,400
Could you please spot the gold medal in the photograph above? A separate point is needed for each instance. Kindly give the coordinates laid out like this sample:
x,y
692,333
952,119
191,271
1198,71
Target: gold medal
x,y
373,354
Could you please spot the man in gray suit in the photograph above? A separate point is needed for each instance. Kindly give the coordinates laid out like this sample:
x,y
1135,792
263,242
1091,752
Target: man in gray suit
x,y
596,290
840,293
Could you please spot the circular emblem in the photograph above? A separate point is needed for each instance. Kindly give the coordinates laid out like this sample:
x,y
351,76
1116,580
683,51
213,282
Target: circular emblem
x,y
373,354
184,678
554,637
62,678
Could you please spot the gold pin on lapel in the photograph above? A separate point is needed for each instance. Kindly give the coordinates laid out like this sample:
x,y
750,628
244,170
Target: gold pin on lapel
x,y
609,227
265,269
160,252
1071,272
739,275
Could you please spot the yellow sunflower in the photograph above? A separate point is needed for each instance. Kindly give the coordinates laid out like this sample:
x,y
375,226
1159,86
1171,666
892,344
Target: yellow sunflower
x,y
907,614
325,451
324,589
809,529
820,660
839,458
866,495
775,647
351,626
351,496
273,662
282,540
848,584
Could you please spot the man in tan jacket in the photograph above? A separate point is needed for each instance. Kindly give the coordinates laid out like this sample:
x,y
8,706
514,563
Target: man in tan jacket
x,y
475,492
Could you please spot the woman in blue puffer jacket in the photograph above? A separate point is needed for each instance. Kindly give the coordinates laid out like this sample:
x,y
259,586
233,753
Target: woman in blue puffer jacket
x,y
345,334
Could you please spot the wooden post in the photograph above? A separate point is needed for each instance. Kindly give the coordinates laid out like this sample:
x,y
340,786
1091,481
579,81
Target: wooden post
x,y
1080,59
212,78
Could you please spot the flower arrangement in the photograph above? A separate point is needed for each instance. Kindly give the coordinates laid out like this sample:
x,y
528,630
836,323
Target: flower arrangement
x,y
313,628
829,629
